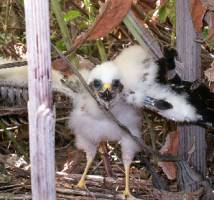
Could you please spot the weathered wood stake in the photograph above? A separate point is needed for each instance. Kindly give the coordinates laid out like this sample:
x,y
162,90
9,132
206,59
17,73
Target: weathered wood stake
x,y
192,138
40,106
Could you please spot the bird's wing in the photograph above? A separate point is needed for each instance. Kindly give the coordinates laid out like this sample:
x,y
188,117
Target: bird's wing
x,y
197,92
140,73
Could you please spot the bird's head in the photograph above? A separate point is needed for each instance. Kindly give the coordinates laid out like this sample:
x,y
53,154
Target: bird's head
x,y
104,80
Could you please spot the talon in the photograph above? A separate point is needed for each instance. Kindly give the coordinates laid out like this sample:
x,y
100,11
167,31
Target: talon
x,y
81,185
127,194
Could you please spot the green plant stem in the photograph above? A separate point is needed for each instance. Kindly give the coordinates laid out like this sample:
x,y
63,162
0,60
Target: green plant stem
x,y
64,29
134,29
7,10
90,10
99,43
101,50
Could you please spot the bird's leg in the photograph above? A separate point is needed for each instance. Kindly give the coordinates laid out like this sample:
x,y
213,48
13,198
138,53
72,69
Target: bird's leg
x,y
127,192
81,184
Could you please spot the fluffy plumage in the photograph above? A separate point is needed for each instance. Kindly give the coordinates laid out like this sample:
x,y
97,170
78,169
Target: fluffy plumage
x,y
90,123
91,126
140,74
199,94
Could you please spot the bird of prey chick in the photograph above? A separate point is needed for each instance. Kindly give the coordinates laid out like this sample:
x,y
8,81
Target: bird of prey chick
x,y
87,121
91,126
122,85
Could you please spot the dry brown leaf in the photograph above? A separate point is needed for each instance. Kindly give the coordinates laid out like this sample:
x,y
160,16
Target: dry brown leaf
x,y
111,14
169,169
72,165
60,65
197,10
170,147
171,144
111,17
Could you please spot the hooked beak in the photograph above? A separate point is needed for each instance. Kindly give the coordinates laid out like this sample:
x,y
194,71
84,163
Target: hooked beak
x,y
105,92
106,86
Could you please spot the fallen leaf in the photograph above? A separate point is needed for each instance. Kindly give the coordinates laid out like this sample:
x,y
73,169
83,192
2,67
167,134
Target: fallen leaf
x,y
169,169
170,147
197,10
171,144
72,165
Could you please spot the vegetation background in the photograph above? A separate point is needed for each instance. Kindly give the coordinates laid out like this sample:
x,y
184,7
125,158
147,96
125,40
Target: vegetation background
x,y
88,32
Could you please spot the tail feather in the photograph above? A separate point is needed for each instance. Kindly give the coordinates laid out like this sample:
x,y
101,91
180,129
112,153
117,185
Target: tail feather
x,y
19,76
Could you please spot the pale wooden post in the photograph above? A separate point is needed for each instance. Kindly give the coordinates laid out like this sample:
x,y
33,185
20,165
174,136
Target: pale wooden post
x,y
192,138
40,106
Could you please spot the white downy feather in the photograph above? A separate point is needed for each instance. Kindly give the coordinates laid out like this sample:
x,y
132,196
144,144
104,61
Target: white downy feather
x,y
139,72
91,125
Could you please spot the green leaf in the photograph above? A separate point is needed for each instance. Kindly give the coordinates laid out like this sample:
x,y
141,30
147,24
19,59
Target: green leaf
x,y
71,15
61,45
162,14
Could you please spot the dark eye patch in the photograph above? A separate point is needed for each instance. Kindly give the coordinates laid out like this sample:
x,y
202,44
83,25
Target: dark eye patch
x,y
97,83
116,83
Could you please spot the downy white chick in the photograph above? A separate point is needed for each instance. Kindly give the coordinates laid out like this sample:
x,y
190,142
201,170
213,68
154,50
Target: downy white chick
x,y
91,126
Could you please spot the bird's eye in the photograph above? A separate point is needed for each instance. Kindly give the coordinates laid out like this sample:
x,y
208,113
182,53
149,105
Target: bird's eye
x,y
116,83
97,83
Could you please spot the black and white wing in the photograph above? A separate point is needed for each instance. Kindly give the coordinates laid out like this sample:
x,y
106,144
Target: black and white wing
x,y
146,85
198,93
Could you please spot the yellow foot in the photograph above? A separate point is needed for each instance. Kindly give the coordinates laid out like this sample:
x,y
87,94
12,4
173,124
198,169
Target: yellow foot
x,y
81,185
127,194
